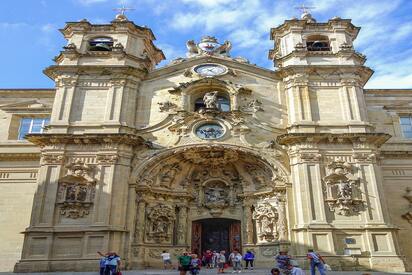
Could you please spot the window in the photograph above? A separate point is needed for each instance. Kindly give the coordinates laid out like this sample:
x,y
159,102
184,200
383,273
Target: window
x,y
101,44
406,125
317,43
32,126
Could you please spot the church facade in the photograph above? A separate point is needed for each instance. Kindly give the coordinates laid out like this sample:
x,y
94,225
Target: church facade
x,y
207,152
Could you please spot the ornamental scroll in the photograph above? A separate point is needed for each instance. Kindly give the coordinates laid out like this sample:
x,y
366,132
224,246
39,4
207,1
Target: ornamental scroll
x,y
342,189
76,191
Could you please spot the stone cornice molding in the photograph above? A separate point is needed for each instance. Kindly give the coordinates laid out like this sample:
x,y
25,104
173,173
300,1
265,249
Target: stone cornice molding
x,y
56,71
361,73
19,156
300,25
348,138
145,191
51,139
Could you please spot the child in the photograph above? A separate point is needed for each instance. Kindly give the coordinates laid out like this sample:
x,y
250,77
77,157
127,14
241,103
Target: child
x,y
221,260
195,264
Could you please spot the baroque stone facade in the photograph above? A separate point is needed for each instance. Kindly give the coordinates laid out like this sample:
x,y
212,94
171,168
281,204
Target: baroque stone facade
x,y
140,159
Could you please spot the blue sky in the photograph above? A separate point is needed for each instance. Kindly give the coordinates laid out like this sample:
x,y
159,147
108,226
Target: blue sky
x,y
30,37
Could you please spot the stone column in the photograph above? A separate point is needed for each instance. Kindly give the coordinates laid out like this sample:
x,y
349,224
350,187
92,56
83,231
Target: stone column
x,y
247,210
140,221
282,222
182,225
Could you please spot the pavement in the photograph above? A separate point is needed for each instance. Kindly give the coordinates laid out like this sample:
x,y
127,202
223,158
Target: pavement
x,y
202,272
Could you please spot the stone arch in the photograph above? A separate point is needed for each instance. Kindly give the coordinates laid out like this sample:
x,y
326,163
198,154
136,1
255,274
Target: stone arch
x,y
150,163
191,91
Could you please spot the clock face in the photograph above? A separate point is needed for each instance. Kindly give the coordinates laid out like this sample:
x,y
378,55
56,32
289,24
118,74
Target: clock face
x,y
210,70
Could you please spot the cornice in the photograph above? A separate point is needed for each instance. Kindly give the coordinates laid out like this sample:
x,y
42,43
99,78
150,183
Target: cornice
x,y
55,71
184,63
50,139
19,156
347,138
303,25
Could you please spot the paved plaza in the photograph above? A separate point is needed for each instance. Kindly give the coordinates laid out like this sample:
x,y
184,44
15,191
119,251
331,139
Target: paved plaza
x,y
203,271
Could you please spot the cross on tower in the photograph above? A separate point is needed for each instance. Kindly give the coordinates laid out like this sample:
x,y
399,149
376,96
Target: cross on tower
x,y
123,9
304,9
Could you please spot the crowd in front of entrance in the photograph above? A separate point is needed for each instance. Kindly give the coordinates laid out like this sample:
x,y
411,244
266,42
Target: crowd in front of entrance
x,y
284,264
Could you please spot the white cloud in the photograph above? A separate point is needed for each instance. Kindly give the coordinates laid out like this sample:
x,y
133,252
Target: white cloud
x,y
90,2
8,25
208,3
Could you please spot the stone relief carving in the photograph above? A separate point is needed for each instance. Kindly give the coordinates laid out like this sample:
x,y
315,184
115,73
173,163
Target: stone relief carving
x,y
253,106
408,196
342,189
208,45
168,174
76,191
166,106
160,223
266,218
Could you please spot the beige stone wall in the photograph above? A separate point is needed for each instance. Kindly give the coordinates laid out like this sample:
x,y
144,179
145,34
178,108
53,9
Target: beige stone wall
x,y
17,187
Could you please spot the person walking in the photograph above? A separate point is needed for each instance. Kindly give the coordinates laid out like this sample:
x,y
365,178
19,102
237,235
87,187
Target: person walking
x,y
316,261
195,264
236,261
184,263
249,258
112,263
214,258
221,260
167,262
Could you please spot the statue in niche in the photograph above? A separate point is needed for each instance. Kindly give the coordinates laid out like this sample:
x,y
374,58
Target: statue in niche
x,y
344,190
266,217
210,100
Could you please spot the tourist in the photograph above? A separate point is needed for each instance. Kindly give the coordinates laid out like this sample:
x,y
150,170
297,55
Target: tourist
x,y
102,262
214,258
184,263
195,264
207,256
112,263
316,261
275,271
236,261
283,261
295,270
249,257
221,260
167,263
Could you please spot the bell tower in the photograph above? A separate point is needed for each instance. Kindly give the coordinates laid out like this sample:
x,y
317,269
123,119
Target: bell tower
x,y
98,73
329,136
84,199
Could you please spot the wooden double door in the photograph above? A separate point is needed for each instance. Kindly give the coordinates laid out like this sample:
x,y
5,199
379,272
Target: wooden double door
x,y
216,235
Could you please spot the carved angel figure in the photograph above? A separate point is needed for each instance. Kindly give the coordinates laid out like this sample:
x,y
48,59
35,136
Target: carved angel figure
x,y
210,100
192,48
225,48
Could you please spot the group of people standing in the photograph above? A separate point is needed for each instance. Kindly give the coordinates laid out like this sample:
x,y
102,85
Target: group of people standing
x,y
210,259
286,265
109,263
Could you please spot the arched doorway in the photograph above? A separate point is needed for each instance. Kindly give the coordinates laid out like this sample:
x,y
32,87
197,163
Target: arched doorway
x,y
216,234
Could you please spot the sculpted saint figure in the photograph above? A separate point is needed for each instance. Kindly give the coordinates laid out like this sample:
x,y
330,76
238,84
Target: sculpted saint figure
x,y
210,100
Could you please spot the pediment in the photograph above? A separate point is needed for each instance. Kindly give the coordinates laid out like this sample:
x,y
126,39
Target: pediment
x,y
28,105
183,65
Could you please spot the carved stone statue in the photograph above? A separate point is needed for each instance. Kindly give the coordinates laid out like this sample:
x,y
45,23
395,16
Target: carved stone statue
x,y
210,100
161,218
208,45
266,220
